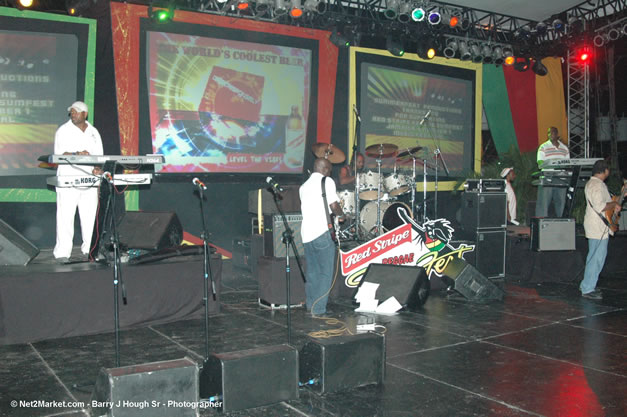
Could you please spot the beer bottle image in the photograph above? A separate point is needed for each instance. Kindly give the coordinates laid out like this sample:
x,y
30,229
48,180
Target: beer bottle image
x,y
294,139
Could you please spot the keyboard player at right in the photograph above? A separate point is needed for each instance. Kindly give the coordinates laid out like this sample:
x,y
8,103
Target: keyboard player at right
x,y
553,148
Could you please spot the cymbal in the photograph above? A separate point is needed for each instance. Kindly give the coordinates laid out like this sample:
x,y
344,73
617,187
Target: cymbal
x,y
384,150
409,151
329,151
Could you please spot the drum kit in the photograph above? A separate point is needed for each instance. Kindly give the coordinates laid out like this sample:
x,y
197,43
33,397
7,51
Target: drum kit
x,y
371,204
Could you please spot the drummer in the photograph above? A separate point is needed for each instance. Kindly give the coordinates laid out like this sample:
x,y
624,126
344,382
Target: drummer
x,y
346,172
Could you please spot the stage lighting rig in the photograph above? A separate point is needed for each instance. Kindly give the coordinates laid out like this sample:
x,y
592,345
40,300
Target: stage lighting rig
x,y
161,15
394,45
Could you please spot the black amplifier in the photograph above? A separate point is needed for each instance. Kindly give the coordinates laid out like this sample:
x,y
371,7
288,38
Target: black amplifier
x,y
485,186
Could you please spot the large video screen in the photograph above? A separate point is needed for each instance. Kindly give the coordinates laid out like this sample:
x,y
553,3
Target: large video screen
x,y
413,105
39,79
221,105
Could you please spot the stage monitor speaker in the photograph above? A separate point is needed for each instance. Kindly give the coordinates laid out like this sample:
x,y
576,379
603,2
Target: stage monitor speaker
x,y
471,283
552,234
273,234
150,230
15,249
271,277
251,378
489,253
337,363
483,210
157,389
408,284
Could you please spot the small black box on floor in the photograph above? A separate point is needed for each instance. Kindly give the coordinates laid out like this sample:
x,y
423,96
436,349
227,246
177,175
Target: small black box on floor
x,y
489,254
15,249
271,276
483,210
157,389
251,378
552,234
274,227
150,230
471,283
408,284
337,363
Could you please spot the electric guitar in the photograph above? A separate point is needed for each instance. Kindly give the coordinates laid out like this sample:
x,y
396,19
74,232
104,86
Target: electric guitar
x,y
613,217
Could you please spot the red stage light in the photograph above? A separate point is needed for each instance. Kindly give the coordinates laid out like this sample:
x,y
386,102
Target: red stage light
x,y
296,13
242,5
454,21
584,56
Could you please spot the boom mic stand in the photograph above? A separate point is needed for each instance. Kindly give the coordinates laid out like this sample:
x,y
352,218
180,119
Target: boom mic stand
x,y
207,274
288,239
356,197
437,152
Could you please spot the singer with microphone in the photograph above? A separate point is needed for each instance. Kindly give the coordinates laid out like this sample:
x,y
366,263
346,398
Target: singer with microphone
x,y
76,137
316,235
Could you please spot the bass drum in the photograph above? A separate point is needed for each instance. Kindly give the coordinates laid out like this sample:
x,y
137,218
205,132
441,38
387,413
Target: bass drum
x,y
390,218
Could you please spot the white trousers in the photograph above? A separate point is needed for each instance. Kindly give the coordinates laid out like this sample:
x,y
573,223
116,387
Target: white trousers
x,y
68,199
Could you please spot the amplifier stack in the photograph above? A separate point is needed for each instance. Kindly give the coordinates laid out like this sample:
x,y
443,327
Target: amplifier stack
x,y
484,222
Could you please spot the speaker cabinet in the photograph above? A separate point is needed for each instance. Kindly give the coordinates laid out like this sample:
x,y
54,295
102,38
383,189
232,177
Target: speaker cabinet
x,y
251,378
552,234
471,283
150,230
483,210
157,389
489,254
342,362
15,249
271,276
273,234
408,284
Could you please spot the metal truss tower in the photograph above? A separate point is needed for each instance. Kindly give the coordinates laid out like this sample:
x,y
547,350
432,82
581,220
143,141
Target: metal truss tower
x,y
578,107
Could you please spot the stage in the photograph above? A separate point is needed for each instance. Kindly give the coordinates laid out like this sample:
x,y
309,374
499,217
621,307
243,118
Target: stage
x,y
543,351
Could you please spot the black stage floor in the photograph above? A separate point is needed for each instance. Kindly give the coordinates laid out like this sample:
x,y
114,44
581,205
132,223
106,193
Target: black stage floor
x,y
543,351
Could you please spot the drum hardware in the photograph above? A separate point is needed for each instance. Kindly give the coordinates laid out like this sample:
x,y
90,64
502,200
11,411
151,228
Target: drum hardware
x,y
329,151
382,150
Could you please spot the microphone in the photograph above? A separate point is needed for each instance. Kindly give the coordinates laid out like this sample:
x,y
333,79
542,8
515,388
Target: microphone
x,y
356,113
107,176
199,183
274,185
424,119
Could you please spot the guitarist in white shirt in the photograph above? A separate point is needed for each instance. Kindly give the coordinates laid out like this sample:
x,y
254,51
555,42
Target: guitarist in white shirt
x,y
320,250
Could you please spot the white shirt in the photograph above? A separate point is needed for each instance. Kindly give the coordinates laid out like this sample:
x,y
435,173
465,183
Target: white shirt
x,y
70,138
311,206
511,201
547,151
598,195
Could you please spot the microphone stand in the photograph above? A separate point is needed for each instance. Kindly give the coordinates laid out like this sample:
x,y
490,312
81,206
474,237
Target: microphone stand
x,y
207,273
289,243
356,198
437,152
117,268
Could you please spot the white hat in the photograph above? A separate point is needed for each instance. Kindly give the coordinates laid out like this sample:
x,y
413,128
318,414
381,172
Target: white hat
x,y
78,106
506,171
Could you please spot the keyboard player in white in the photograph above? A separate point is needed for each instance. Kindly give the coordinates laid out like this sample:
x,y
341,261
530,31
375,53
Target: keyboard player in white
x,y
551,149
76,137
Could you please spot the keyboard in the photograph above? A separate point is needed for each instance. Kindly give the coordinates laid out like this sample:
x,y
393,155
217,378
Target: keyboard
x,y
567,163
86,181
101,159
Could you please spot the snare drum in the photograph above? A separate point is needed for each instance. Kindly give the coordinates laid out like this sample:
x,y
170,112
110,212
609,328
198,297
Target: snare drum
x,y
368,185
347,201
397,184
390,218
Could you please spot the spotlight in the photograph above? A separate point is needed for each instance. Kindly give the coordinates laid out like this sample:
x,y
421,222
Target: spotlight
x,y
613,34
405,12
539,69
426,49
161,15
262,6
243,5
464,24
296,11
541,28
584,55
338,39
624,29
558,25
464,52
598,40
488,55
497,54
394,46
523,33
279,7
509,60
453,21
418,14
575,24
522,64
24,4
507,51
477,57
392,10
434,18
451,48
